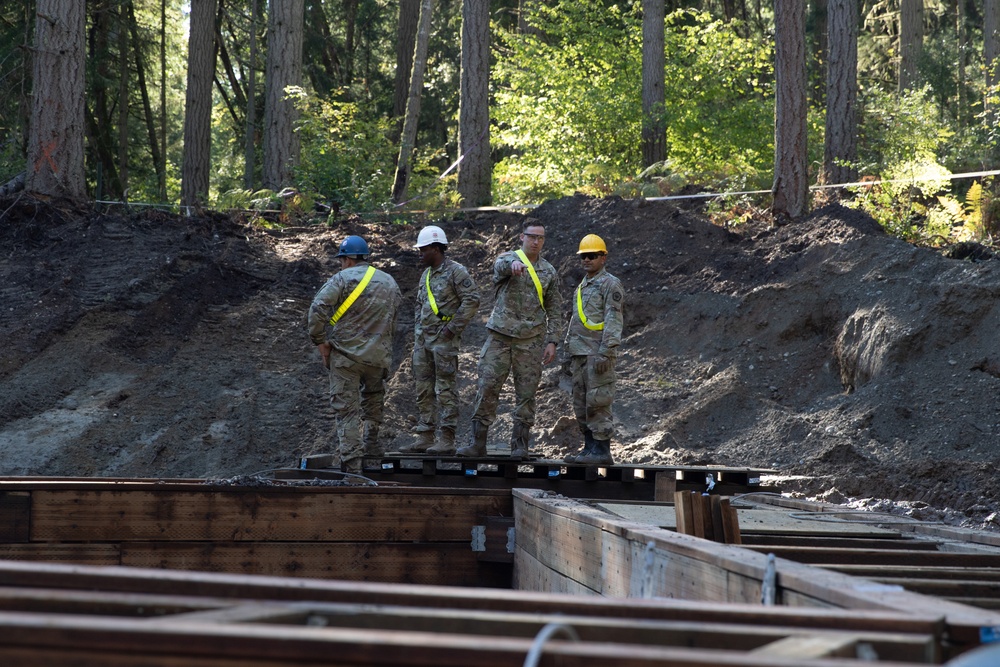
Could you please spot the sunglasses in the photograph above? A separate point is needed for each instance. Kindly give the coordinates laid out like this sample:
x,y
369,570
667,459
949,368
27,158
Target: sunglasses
x,y
591,255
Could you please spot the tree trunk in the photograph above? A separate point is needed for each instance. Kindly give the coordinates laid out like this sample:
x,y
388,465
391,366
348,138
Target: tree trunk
x,y
791,186
198,104
475,170
524,10
654,137
406,39
351,14
409,134
147,107
325,69
248,139
817,25
960,32
99,123
840,147
911,41
162,168
991,49
123,101
284,68
55,142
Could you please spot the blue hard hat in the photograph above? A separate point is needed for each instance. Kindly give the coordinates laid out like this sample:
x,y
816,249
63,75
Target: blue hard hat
x,y
353,245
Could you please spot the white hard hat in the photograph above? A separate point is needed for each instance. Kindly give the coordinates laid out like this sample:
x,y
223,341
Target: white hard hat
x,y
431,234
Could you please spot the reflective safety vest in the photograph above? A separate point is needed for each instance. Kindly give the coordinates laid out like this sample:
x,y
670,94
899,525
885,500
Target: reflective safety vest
x,y
593,326
432,302
534,276
349,301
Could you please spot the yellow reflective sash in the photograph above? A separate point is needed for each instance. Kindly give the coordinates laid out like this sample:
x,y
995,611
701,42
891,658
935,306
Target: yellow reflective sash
x,y
534,276
430,299
349,301
583,317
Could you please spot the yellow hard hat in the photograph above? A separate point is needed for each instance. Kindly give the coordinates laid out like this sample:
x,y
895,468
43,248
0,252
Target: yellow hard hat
x,y
592,243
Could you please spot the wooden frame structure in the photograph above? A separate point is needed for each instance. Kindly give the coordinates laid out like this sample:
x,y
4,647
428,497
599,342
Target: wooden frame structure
x,y
368,576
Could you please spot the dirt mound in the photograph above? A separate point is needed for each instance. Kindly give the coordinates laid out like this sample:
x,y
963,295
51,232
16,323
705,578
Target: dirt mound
x,y
146,344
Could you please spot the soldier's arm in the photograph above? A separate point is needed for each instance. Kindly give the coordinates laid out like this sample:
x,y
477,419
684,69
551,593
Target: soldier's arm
x,y
501,267
323,306
614,301
468,294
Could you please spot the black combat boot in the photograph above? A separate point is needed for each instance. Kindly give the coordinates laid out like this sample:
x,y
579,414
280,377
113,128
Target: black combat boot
x,y
478,446
601,454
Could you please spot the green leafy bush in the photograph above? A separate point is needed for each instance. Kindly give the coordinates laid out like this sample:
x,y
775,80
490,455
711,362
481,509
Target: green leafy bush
x,y
568,101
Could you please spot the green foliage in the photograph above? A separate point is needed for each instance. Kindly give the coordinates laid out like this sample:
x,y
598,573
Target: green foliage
x,y
569,110
347,157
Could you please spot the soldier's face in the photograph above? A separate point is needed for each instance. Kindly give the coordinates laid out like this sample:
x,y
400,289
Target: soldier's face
x,y
593,262
428,255
533,239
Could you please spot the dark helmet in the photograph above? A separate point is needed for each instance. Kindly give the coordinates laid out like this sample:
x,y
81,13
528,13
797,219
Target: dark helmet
x,y
353,245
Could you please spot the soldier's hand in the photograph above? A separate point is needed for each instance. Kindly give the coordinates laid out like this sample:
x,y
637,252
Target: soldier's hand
x,y
549,355
602,364
324,350
517,268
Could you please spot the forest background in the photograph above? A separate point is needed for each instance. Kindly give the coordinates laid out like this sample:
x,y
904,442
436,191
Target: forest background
x,y
569,108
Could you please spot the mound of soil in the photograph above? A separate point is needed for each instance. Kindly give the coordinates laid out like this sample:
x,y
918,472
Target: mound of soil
x,y
853,364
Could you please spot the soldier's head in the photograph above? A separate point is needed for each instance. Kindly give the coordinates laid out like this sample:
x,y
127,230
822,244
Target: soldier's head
x,y
593,253
532,237
353,249
431,244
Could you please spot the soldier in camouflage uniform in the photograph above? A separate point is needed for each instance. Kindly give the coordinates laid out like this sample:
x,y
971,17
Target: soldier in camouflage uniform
x,y
351,321
592,340
522,334
447,300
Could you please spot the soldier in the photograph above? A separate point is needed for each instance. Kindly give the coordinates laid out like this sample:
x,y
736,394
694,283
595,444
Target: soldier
x,y
592,340
447,300
522,334
351,322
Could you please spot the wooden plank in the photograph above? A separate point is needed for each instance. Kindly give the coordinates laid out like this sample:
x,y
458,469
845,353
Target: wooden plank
x,y
842,646
832,557
918,572
84,554
217,585
83,641
324,515
718,531
684,502
15,507
665,486
702,514
441,564
831,542
140,605
731,532
497,538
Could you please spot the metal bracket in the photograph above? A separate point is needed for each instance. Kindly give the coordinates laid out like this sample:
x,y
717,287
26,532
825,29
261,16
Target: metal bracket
x,y
510,540
479,538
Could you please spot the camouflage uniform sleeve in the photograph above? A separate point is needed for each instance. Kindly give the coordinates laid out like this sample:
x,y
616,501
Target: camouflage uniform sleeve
x,y
501,267
614,300
553,311
468,294
418,299
322,309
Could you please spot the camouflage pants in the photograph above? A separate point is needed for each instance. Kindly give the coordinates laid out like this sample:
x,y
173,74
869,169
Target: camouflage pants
x,y
434,373
593,394
502,356
357,394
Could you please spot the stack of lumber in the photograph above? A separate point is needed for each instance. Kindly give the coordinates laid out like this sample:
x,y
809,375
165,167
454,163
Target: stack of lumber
x,y
108,617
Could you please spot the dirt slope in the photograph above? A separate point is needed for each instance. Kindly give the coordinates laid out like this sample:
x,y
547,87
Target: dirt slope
x,y
852,363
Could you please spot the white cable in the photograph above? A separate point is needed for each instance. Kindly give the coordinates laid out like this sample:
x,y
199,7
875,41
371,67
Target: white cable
x,y
535,654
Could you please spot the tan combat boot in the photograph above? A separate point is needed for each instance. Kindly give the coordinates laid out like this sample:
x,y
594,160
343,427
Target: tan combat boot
x,y
478,446
446,447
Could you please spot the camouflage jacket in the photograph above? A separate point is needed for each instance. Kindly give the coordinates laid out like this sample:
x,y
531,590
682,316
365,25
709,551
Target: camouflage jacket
x,y
603,298
517,312
364,332
456,296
